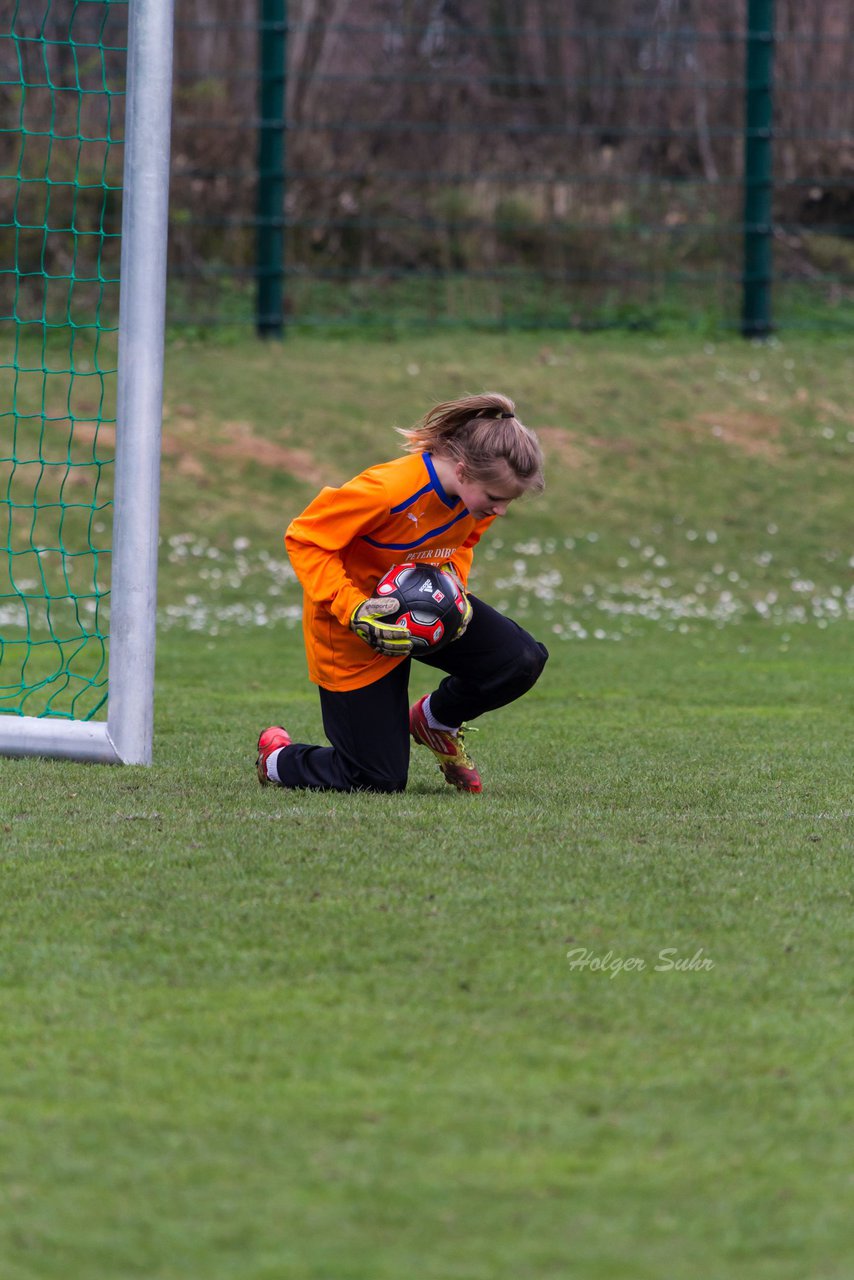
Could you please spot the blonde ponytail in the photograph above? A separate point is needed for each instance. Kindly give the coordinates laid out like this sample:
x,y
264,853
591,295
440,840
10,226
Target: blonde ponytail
x,y
480,431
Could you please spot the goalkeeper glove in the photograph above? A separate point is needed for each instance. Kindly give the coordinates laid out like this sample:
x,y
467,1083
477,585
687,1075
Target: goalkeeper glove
x,y
368,622
449,569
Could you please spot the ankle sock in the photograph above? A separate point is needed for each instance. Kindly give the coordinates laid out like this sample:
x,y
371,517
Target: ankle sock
x,y
272,761
437,724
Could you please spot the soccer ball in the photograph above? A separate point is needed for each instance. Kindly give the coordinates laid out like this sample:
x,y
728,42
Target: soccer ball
x,y
432,603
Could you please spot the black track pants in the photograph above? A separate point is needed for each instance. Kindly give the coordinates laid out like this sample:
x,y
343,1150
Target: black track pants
x,y
494,663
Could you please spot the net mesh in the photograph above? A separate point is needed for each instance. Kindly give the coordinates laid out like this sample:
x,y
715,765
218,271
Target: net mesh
x,y
62,68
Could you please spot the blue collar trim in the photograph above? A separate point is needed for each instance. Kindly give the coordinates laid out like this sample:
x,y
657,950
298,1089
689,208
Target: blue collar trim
x,y
436,482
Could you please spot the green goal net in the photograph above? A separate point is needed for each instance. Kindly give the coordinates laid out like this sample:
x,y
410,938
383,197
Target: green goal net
x,y
62,79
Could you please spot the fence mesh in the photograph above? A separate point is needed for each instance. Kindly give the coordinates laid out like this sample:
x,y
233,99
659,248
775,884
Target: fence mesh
x,y
511,162
502,163
61,90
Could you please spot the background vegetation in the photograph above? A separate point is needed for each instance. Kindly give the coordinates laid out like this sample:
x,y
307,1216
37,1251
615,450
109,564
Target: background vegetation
x,y
504,164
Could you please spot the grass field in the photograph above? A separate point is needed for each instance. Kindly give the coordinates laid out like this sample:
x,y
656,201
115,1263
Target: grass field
x,y
595,1023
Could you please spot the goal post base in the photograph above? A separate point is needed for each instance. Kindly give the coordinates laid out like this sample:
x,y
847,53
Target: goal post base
x,y
80,740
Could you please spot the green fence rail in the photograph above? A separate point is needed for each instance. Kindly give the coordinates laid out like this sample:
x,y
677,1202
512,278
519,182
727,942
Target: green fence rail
x,y
514,164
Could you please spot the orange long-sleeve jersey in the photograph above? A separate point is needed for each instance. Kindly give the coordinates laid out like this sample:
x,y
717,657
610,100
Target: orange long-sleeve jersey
x,y
347,538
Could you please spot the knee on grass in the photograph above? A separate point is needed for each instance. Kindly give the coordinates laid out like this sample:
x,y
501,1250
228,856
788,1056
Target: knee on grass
x,y
367,780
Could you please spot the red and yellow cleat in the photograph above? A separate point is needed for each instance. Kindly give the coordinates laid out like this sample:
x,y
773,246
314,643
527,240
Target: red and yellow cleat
x,y
269,741
448,748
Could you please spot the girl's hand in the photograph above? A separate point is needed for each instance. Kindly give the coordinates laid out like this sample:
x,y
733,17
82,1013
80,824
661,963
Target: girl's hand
x,y
449,569
466,619
368,622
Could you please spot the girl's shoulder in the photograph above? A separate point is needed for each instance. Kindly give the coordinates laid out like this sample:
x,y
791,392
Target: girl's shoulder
x,y
408,468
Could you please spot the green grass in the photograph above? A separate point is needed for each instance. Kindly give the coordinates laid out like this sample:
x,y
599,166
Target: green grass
x,y
256,1035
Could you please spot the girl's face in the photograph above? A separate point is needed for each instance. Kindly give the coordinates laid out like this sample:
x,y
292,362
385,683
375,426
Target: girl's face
x,y
487,497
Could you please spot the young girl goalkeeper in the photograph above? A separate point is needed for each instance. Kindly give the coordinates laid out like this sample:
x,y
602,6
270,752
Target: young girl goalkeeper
x,y
466,461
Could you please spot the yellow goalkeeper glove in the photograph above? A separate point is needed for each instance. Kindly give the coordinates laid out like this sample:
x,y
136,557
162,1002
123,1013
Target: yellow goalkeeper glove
x,y
449,569
369,623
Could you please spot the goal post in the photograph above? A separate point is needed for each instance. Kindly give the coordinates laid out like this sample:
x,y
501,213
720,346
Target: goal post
x,y
145,215
124,680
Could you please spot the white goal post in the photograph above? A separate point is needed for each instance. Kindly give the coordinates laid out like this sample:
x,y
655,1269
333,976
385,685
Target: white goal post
x,y
126,736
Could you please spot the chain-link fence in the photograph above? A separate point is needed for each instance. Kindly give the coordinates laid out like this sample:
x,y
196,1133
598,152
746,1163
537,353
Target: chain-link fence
x,y
513,163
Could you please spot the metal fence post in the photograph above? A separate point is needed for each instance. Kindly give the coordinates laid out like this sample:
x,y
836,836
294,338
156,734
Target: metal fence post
x,y
757,274
269,244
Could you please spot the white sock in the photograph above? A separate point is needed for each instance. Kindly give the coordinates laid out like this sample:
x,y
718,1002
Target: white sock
x,y
272,771
437,724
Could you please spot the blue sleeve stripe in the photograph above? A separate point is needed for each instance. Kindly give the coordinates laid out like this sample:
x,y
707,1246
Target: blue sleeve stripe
x,y
407,546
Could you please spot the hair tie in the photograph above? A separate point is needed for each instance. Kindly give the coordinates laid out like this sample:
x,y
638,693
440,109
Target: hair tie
x,y
507,415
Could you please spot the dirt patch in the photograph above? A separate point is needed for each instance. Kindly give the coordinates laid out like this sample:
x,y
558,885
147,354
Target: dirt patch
x,y
579,452
83,432
832,410
565,446
755,434
187,446
186,441
244,445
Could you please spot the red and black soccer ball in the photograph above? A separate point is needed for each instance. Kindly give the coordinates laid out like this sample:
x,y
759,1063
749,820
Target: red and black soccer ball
x,y
432,603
